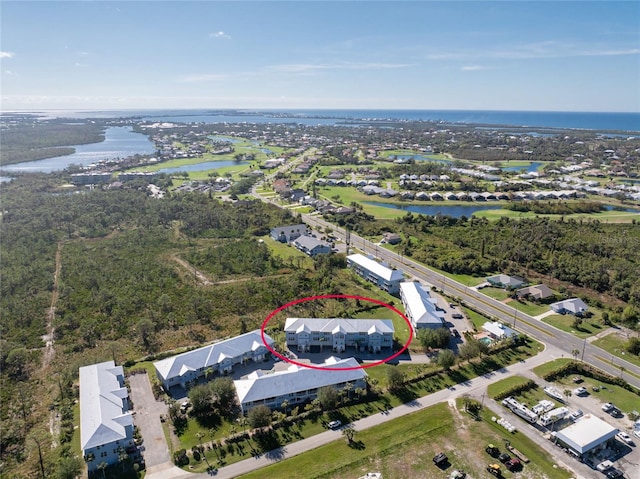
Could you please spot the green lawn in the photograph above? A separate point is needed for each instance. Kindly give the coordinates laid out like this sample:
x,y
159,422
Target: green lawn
x,y
614,344
497,388
496,293
403,448
605,216
287,253
587,328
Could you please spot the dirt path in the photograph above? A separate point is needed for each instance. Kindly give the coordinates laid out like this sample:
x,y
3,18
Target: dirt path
x,y
204,280
48,338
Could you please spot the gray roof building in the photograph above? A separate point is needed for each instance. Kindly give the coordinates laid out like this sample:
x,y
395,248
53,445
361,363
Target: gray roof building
x,y
420,307
105,420
296,384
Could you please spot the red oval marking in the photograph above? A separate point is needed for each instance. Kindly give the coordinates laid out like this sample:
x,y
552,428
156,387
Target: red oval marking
x,y
336,296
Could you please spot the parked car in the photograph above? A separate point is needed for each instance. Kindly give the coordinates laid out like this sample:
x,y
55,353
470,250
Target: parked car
x,y
575,415
492,450
335,424
440,459
455,333
606,407
615,412
513,464
604,466
624,437
578,380
457,316
504,457
580,391
614,473
636,433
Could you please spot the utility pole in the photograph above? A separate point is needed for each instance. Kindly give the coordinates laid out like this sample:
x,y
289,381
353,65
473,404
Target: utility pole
x,y
584,345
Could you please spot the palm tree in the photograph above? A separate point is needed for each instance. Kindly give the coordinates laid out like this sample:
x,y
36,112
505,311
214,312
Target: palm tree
x,y
285,405
103,466
348,432
575,353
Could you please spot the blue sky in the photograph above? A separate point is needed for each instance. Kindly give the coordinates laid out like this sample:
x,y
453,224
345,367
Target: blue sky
x,y
503,55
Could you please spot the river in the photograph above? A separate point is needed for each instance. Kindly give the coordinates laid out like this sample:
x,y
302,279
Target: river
x,y
119,143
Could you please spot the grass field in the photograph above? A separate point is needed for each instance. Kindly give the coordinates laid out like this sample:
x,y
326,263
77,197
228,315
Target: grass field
x,y
497,388
614,344
587,328
403,449
605,216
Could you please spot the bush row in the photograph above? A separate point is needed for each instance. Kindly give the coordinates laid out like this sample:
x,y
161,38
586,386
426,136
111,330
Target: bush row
x,y
516,390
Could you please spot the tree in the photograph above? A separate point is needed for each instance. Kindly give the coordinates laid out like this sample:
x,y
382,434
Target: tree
x,y
146,331
348,432
225,395
575,353
434,338
201,397
69,467
469,349
122,456
103,467
446,359
395,377
285,405
328,398
259,416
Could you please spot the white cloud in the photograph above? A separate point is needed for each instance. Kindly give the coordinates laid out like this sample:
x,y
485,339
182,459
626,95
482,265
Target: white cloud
x,y
202,77
306,68
6,54
220,35
472,68
544,49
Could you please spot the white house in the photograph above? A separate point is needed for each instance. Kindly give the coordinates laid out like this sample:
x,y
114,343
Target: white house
x,y
296,384
218,357
106,424
338,333
588,435
498,330
384,277
420,307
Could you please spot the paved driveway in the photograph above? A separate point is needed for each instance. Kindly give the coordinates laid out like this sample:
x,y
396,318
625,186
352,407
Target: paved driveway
x,y
147,418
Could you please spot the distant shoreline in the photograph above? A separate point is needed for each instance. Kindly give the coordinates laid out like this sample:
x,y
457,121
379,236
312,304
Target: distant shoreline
x,y
627,123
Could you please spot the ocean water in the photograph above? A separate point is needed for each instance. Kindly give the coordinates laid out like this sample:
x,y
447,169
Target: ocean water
x,y
597,121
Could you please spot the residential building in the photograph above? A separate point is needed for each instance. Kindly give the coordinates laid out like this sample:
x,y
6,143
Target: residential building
x,y
505,281
574,306
382,276
218,358
539,292
286,234
297,384
311,246
338,333
420,307
391,238
106,424
498,330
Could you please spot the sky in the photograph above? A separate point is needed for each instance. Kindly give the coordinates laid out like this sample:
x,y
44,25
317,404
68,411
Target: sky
x,y
454,55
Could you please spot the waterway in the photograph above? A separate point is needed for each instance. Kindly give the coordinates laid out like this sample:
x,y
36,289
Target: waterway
x,y
533,167
119,143
455,211
204,166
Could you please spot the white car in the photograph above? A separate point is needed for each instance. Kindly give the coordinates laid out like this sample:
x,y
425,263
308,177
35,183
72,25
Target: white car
x,y
636,433
335,424
580,391
624,437
606,407
576,415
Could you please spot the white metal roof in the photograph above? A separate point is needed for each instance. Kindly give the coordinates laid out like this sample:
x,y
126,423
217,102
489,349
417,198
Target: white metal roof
x,y
586,434
102,419
419,304
498,329
296,378
209,356
376,268
329,325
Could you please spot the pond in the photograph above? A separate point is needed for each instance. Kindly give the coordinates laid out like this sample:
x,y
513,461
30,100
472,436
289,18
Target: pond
x,y
533,167
204,166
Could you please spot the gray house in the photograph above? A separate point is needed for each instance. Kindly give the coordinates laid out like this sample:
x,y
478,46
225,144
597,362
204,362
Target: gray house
x,y
505,281
574,306
311,246
286,234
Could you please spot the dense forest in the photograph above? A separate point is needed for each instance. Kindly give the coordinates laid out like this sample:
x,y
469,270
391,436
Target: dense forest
x,y
602,257
121,293
38,139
